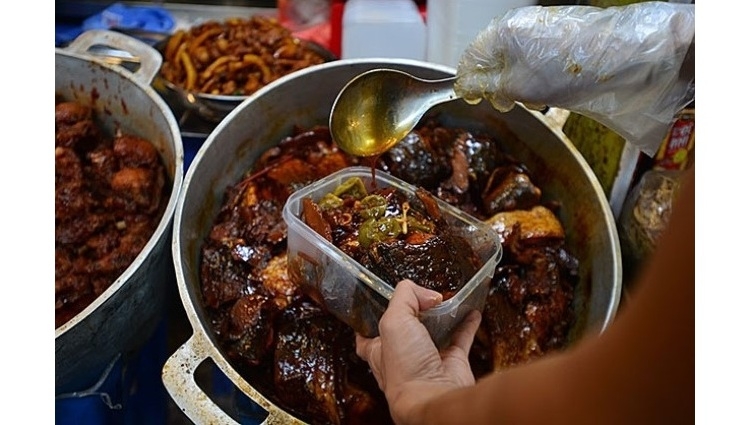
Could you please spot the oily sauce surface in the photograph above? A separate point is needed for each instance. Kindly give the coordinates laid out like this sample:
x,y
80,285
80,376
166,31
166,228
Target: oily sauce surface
x,y
303,358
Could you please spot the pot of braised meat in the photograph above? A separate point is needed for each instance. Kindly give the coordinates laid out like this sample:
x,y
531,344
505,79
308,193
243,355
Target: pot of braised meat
x,y
118,170
559,277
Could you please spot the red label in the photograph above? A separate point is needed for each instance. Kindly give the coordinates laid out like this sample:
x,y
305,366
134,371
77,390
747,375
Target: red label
x,y
674,151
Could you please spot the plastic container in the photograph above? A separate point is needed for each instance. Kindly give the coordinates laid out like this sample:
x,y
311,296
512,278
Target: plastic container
x,y
356,295
382,28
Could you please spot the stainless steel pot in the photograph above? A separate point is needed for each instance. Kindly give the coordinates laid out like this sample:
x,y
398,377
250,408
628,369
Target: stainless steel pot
x,y
125,315
305,98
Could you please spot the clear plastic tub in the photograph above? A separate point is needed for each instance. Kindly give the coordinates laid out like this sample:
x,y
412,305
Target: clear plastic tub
x,y
356,295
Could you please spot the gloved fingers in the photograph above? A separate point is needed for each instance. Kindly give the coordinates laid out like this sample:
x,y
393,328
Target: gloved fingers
x,y
620,66
481,72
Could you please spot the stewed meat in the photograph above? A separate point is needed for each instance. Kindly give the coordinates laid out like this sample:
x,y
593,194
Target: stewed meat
x,y
110,194
394,236
301,356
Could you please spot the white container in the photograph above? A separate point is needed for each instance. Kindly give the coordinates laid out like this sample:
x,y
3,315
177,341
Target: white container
x,y
382,29
453,24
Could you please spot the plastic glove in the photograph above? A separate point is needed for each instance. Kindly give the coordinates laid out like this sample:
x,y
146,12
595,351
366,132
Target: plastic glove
x,y
622,66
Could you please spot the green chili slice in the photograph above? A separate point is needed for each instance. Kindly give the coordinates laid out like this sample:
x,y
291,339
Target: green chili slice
x,y
373,206
330,201
353,187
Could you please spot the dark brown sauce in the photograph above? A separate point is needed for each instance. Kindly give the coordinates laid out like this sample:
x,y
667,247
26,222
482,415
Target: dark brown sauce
x,y
507,335
373,161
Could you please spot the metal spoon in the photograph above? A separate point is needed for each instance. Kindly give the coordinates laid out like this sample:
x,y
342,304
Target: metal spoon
x,y
378,108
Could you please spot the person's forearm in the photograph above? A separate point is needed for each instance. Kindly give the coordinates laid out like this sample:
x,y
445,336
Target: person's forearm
x,y
531,394
640,370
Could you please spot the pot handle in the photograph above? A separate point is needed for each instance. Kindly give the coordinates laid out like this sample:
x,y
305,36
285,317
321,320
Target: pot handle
x,y
142,54
178,379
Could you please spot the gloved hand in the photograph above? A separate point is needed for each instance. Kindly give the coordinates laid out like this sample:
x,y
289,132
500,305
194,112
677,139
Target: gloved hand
x,y
622,66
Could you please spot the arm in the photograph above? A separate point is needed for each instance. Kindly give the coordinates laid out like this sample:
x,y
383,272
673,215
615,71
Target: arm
x,y
640,370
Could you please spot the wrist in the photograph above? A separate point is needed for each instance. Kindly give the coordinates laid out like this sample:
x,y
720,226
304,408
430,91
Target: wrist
x,y
411,404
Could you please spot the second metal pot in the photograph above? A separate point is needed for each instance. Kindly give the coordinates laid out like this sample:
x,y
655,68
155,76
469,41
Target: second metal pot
x,y
123,317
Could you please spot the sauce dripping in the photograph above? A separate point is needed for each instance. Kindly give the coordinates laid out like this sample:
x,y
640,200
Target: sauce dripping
x,y
373,161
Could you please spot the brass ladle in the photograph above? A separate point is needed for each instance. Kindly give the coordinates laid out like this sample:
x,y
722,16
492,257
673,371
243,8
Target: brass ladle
x,y
378,108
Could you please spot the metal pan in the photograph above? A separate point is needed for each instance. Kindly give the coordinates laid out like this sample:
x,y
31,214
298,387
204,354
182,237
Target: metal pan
x,y
304,99
125,315
210,106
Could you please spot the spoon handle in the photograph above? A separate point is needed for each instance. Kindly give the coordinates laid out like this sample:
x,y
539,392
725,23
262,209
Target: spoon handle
x,y
439,91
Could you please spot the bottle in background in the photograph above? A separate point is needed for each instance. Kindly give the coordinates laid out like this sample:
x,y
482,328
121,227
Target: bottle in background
x,y
453,24
383,28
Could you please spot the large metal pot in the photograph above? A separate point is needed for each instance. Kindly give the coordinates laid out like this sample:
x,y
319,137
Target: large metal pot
x,y
305,99
125,315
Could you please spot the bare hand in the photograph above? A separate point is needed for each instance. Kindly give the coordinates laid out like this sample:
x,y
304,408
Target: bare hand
x,y
405,362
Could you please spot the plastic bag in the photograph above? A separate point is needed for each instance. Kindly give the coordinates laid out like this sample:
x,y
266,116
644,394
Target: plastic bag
x,y
622,66
119,15
646,212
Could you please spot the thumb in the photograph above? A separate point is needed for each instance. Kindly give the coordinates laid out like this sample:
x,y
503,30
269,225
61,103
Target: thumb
x,y
415,297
